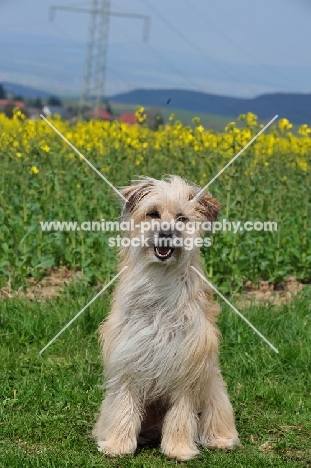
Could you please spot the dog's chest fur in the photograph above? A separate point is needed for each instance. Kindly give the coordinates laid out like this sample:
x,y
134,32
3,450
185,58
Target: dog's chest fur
x,y
164,334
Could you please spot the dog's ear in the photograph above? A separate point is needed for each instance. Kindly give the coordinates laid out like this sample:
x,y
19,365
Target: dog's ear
x,y
135,193
208,206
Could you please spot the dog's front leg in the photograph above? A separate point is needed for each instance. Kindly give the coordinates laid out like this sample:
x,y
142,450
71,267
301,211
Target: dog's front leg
x,y
216,424
180,430
119,423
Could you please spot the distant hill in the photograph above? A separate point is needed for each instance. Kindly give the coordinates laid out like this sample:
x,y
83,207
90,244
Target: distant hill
x,y
25,91
295,107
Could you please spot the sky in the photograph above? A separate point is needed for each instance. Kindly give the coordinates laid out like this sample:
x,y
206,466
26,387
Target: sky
x,y
235,48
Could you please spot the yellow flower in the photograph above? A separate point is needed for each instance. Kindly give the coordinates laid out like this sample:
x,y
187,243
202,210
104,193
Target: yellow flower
x,y
140,114
200,128
19,155
196,120
45,148
302,164
34,170
251,119
230,126
304,130
284,124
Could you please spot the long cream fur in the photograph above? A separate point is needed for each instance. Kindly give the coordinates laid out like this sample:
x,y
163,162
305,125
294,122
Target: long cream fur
x,y
160,340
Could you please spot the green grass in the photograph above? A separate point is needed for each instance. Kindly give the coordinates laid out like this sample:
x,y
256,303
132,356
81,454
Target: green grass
x,y
49,403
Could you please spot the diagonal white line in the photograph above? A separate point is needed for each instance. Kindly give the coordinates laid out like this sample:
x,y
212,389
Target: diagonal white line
x,y
234,158
236,310
84,308
83,157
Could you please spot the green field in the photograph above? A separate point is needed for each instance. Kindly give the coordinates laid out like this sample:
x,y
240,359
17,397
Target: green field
x,y
49,403
209,121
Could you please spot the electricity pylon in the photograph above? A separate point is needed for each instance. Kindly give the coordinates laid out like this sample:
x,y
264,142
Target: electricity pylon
x,y
93,89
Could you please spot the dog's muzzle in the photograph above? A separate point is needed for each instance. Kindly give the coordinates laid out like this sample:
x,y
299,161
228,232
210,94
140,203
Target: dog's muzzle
x,y
164,244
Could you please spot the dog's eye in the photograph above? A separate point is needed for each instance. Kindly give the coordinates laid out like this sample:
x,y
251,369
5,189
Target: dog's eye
x,y
154,214
182,218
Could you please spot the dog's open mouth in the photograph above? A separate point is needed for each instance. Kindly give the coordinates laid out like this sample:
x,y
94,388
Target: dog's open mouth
x,y
163,253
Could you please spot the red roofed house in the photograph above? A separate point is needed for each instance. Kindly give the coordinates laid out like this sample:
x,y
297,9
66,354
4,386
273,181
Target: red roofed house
x,y
101,114
128,118
4,102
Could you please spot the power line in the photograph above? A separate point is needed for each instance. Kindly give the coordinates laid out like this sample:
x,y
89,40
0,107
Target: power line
x,y
176,70
235,44
189,42
165,60
97,47
250,32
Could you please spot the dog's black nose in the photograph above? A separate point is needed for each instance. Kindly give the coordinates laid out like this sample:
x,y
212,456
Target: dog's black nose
x,y
168,233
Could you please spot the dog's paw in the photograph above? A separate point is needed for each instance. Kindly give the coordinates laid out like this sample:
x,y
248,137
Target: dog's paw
x,y
115,448
180,453
221,443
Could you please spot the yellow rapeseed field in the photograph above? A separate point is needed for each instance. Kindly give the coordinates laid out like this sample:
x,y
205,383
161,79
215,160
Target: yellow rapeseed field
x,y
20,137
42,178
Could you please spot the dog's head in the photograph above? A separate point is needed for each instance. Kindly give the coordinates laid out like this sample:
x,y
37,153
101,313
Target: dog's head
x,y
169,215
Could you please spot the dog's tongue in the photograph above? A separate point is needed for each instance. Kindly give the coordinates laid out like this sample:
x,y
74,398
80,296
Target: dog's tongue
x,y
163,250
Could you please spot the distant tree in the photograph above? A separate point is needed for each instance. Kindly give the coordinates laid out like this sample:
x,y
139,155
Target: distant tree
x,y
54,101
154,118
9,109
19,97
108,107
2,92
38,103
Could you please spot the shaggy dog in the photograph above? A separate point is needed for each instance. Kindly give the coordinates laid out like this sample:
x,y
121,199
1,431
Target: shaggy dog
x,y
160,340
